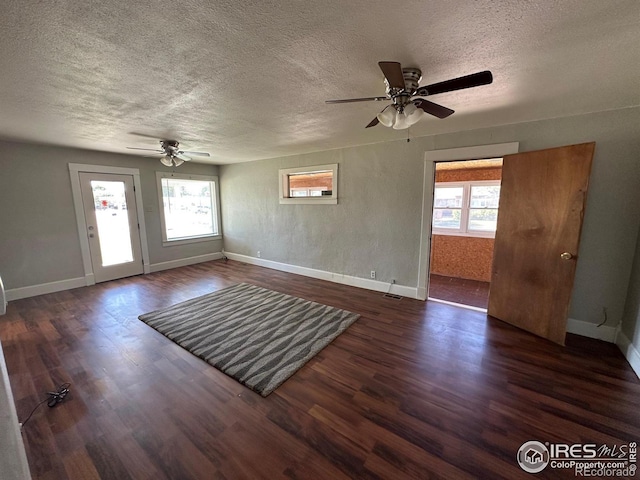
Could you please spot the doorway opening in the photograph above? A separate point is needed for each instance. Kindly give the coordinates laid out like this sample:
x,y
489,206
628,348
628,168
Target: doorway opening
x,y
464,219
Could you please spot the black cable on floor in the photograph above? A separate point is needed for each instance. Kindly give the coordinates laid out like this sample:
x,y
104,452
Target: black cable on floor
x,y
32,411
53,398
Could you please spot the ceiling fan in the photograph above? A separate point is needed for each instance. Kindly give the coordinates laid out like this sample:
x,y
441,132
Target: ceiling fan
x,y
172,155
404,92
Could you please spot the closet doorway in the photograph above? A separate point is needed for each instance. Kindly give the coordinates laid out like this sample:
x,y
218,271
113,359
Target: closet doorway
x,y
465,212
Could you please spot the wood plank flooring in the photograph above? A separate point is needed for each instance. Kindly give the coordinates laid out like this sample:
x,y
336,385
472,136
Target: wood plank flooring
x,y
411,390
459,290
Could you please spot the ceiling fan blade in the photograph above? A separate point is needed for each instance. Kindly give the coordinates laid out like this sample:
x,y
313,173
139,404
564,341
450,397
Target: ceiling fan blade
x,y
432,108
201,154
373,122
182,157
147,149
393,73
468,81
364,99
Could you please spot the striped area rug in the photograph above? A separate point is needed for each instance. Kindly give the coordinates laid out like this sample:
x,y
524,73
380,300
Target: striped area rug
x,y
255,335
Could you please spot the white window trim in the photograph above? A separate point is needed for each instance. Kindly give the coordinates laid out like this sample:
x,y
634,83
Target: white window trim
x,y
201,238
284,197
464,231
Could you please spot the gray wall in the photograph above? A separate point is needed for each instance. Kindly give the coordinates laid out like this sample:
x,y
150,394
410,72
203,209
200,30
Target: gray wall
x,y
376,224
38,232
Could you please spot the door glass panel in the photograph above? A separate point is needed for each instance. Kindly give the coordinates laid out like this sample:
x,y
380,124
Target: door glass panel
x,y
112,217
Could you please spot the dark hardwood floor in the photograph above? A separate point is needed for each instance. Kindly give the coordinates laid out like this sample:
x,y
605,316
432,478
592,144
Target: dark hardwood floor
x,y
459,290
411,390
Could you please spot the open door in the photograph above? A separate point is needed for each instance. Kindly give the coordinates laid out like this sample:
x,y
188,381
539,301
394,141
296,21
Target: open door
x,y
542,202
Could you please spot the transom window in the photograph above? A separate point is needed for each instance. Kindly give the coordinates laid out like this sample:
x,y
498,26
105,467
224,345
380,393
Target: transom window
x,y
189,208
466,208
310,185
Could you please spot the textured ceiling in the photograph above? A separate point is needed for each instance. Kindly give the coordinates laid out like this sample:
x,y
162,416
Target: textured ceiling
x,y
245,80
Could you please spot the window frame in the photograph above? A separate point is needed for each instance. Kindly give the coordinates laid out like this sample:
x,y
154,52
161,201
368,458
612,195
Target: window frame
x,y
283,185
216,198
464,230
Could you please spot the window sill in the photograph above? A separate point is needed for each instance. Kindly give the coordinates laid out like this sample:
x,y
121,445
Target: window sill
x,y
185,241
309,201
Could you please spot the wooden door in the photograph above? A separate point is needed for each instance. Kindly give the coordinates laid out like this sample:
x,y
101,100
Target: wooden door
x,y
542,202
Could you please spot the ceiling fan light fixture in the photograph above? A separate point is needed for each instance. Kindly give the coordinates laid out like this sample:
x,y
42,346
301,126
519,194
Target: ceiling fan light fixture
x,y
166,161
177,161
413,113
387,117
413,120
401,121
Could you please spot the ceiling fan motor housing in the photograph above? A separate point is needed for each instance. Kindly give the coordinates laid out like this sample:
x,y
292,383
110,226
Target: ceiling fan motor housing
x,y
169,145
412,77
401,97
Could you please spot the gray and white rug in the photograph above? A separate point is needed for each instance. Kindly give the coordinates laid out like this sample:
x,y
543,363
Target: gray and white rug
x,y
255,335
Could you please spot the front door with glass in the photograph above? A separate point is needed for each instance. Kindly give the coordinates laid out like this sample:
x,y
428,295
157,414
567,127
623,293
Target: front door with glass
x,y
112,225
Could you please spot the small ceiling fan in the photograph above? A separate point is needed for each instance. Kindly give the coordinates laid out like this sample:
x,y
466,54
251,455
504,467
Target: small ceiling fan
x,y
403,91
172,155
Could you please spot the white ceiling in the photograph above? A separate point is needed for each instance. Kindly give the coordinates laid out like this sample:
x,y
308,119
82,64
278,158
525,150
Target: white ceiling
x,y
247,79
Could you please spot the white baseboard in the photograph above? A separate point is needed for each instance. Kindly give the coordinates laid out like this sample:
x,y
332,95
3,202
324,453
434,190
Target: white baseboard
x,y
630,352
44,288
591,330
52,287
422,293
183,262
404,291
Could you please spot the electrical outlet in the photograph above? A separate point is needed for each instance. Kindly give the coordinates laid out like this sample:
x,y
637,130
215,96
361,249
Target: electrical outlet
x,y
373,274
258,253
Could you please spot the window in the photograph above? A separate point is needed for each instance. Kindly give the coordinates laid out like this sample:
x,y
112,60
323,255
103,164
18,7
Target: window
x,y
466,208
309,185
189,208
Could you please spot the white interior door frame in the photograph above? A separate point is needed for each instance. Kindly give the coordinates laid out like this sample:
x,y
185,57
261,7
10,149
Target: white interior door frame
x,y
74,171
447,154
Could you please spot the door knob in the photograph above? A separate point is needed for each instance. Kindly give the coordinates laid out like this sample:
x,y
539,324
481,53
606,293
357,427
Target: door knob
x,y
566,256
